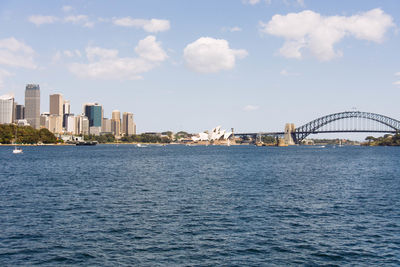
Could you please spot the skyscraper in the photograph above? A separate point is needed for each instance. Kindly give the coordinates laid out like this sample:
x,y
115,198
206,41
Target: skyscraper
x,y
6,109
66,112
19,112
128,125
32,105
94,113
56,104
116,122
56,113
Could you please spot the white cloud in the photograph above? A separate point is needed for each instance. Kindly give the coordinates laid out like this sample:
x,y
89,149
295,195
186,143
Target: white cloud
x,y
150,50
39,19
152,25
235,29
397,74
284,72
79,20
108,65
250,108
318,34
67,8
251,2
4,74
207,55
15,53
396,83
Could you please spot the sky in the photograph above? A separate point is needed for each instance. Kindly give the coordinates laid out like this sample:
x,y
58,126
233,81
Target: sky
x,y
251,65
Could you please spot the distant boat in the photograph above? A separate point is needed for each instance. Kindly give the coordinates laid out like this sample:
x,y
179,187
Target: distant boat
x,y
140,145
86,143
16,149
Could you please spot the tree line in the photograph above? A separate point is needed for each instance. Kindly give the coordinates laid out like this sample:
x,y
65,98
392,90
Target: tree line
x,y
25,135
386,140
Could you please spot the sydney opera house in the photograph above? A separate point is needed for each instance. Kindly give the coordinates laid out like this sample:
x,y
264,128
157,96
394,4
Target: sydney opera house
x,y
215,136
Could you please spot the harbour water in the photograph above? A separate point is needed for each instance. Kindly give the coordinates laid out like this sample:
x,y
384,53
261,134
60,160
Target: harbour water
x,y
200,206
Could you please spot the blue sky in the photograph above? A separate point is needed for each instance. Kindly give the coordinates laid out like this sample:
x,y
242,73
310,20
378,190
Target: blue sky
x,y
191,65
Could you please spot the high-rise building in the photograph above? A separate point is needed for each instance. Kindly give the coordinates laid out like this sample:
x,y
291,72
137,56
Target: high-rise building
x,y
82,125
44,120
94,114
32,105
55,123
106,126
6,109
56,104
116,122
19,112
66,112
70,124
128,125
56,113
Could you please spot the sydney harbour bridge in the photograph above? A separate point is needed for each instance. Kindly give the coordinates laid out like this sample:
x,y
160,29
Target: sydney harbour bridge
x,y
342,122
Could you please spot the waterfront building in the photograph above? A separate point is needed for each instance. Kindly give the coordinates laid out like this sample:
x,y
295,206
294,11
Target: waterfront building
x,y
22,122
44,120
128,125
19,112
66,111
106,126
70,124
32,105
6,109
116,122
82,125
94,113
55,123
215,134
56,109
94,130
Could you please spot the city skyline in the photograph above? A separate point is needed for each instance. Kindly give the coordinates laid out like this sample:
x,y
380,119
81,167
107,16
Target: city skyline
x,y
260,68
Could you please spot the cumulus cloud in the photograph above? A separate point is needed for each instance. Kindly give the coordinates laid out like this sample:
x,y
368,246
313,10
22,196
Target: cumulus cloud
x,y
79,20
250,108
4,74
67,8
397,74
284,72
251,2
235,29
207,55
152,25
39,19
16,53
107,64
396,83
308,30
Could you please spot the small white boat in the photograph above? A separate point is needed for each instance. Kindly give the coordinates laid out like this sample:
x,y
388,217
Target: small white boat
x,y
17,150
140,145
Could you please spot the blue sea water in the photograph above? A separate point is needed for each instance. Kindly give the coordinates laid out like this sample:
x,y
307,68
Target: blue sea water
x,y
200,206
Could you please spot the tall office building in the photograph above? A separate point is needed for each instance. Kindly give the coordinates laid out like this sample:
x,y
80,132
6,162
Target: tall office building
x,y
56,113
82,125
128,125
6,109
116,122
32,105
106,126
94,113
19,112
56,104
66,112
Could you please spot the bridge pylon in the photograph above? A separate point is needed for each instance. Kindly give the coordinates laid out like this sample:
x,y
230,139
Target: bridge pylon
x,y
289,136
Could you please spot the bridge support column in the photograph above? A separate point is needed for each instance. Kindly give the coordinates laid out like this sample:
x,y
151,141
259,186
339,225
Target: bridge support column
x,y
289,132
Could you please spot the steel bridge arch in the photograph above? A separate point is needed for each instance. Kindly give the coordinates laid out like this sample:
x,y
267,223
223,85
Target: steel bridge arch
x,y
311,127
